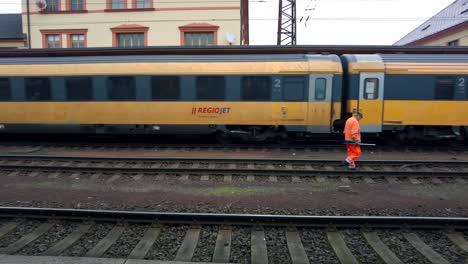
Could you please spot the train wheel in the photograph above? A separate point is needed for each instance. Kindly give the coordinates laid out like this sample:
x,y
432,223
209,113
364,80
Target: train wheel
x,y
223,138
283,139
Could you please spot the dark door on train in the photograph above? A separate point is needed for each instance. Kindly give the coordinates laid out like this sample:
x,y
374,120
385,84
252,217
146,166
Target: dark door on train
x,y
371,103
319,114
293,107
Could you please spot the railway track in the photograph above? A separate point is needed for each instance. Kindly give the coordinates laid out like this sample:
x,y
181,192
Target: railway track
x,y
235,238
329,145
233,170
231,166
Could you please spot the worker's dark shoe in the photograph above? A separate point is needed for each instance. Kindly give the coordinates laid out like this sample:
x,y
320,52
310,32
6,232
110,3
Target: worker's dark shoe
x,y
345,162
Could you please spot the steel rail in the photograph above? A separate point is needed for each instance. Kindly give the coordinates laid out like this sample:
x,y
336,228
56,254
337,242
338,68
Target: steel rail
x,y
186,146
303,173
401,168
235,219
228,160
312,146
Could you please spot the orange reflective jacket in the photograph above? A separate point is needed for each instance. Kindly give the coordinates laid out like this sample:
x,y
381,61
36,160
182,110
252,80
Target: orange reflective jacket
x,y
352,129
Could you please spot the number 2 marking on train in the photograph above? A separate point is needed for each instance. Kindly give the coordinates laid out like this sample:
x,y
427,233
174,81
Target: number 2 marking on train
x,y
461,81
277,83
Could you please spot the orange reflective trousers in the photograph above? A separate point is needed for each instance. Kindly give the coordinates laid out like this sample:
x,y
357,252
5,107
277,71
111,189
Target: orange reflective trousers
x,y
354,152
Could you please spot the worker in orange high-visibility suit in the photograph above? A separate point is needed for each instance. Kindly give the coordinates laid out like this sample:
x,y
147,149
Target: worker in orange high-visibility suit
x,y
352,133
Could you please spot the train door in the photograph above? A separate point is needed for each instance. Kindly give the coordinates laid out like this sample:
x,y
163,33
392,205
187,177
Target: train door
x,y
371,103
292,106
320,103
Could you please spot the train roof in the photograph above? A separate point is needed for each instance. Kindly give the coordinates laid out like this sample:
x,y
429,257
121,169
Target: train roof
x,y
433,58
171,58
171,65
406,63
225,50
416,58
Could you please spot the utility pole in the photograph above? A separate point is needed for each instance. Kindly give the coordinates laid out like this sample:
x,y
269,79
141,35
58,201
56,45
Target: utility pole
x,y
244,22
286,22
29,23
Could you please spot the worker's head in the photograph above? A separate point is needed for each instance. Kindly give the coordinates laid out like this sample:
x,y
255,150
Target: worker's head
x,y
358,115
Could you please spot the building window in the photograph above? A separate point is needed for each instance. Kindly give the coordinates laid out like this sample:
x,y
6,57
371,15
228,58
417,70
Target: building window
x,y
77,40
256,88
79,88
293,88
52,5
143,4
371,88
454,43
121,88
37,89
199,39
445,88
5,89
165,88
198,34
320,89
128,40
117,4
53,41
77,5
211,88
130,35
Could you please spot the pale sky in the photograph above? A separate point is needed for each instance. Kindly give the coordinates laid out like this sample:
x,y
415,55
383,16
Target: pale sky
x,y
331,22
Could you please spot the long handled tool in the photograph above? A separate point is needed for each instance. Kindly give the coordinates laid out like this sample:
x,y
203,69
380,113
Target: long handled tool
x,y
362,144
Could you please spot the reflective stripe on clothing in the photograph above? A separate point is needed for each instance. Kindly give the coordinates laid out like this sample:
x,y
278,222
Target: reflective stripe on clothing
x,y
352,129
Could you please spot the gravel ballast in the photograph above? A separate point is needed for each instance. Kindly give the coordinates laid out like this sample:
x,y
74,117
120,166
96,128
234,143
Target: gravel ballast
x,y
439,241
359,247
97,232
206,244
240,245
397,243
44,242
277,246
168,242
127,241
316,245
23,228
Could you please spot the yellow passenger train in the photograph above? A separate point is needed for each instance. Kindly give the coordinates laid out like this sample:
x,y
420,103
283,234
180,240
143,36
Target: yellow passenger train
x,y
252,97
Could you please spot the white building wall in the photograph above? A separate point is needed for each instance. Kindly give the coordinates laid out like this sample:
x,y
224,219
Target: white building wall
x,y
163,21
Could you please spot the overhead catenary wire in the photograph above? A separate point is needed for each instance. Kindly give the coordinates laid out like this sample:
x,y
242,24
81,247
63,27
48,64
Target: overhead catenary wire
x,y
309,9
349,19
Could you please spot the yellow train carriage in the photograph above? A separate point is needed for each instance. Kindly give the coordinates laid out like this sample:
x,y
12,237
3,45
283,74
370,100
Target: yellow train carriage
x,y
255,97
412,96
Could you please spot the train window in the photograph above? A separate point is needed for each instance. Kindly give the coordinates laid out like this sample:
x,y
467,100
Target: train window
x,y
37,89
371,88
165,88
210,88
320,89
293,88
445,87
79,88
121,88
256,88
5,89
